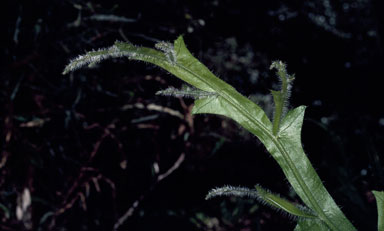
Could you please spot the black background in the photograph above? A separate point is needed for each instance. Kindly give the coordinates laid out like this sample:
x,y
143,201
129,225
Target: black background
x,y
85,137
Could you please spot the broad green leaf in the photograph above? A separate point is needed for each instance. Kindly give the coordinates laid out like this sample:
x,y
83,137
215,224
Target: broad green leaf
x,y
380,209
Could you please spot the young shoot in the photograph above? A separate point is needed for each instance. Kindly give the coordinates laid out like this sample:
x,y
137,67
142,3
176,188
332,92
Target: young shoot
x,y
281,97
281,137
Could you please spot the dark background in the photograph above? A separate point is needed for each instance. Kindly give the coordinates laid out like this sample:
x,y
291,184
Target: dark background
x,y
86,147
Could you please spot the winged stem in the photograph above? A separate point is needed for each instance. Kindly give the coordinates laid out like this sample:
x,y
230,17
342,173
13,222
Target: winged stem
x,y
281,138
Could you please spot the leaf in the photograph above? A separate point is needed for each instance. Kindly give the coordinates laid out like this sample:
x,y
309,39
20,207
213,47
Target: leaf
x,y
184,65
310,225
91,57
189,69
240,109
380,209
282,204
278,112
287,151
186,92
263,196
280,98
302,176
285,145
231,191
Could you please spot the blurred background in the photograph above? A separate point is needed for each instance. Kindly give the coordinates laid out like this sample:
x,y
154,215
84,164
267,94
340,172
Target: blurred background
x,y
98,150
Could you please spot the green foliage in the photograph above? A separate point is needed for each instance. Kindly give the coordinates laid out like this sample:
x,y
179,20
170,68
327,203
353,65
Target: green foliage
x,y
186,92
282,137
232,191
281,204
380,209
281,97
263,196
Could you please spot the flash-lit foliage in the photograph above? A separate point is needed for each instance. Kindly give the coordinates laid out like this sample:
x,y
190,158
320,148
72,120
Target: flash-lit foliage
x,y
98,149
282,137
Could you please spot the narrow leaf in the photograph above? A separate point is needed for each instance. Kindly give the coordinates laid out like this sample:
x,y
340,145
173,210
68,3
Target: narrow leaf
x,y
281,97
265,197
92,57
282,204
186,92
231,191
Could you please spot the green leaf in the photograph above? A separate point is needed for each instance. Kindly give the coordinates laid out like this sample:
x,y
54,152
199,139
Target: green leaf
x,y
232,191
310,225
186,92
297,168
284,145
280,97
380,209
183,65
238,108
263,196
281,204
287,151
278,113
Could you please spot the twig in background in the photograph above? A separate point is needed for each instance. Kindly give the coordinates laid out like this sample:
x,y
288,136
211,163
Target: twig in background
x,y
153,107
136,203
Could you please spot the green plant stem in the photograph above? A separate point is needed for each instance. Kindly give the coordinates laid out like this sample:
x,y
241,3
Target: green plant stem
x,y
228,96
314,205
283,144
